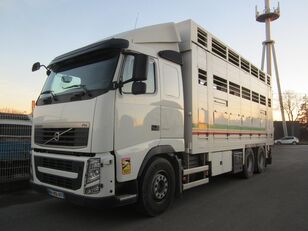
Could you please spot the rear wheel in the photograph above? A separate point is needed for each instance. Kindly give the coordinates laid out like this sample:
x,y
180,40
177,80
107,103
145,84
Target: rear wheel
x,y
157,187
249,163
261,160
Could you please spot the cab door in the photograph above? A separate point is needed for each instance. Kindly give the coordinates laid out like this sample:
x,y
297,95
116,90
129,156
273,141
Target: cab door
x,y
137,119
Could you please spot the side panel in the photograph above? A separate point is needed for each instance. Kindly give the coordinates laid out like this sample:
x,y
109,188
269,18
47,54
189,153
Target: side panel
x,y
201,106
215,158
235,121
103,121
187,86
227,161
172,106
221,162
221,119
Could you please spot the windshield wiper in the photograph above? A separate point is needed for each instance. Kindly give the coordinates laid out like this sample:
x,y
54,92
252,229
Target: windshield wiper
x,y
83,87
54,96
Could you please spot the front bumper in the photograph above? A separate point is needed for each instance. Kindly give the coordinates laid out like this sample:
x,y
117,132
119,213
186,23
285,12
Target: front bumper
x,y
105,202
68,174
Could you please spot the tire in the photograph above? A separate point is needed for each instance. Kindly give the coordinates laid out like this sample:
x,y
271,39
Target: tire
x,y
279,143
260,160
249,163
157,187
294,142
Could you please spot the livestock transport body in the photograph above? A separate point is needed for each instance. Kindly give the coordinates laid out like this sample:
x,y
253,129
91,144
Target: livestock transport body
x,y
144,115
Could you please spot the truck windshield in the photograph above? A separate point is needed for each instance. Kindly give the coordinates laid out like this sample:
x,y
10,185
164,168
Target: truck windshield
x,y
79,79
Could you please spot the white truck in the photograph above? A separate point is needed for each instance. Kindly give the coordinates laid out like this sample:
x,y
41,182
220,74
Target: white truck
x,y
146,114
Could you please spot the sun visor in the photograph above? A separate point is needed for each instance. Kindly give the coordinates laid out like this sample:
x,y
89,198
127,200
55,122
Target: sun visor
x,y
105,44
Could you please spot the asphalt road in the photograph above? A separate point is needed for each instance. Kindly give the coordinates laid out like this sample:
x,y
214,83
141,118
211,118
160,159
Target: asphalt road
x,y
274,200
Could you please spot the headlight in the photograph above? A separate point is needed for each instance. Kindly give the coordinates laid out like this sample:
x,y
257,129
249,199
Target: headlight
x,y
93,170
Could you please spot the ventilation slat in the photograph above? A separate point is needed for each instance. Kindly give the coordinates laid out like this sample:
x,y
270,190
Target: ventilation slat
x,y
254,71
262,100
233,58
202,77
268,80
220,84
246,93
202,37
245,65
234,89
219,49
262,76
269,102
255,97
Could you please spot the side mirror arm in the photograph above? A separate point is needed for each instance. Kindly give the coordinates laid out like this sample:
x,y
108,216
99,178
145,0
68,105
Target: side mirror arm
x,y
117,85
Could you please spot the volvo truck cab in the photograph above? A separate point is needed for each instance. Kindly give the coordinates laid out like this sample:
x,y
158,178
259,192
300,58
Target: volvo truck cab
x,y
102,110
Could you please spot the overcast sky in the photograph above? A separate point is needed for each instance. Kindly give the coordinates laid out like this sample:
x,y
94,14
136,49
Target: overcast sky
x,y
39,30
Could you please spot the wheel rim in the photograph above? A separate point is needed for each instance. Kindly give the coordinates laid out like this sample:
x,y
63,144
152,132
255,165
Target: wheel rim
x,y
160,186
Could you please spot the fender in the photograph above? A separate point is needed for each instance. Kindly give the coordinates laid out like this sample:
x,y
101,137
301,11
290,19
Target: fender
x,y
162,149
169,152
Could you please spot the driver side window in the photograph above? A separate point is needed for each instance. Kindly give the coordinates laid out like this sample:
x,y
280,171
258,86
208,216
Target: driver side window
x,y
127,73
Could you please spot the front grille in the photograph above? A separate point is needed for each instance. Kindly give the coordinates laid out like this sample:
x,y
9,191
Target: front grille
x,y
63,165
59,164
65,137
58,181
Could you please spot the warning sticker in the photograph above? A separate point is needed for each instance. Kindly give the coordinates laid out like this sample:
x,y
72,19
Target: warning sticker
x,y
126,166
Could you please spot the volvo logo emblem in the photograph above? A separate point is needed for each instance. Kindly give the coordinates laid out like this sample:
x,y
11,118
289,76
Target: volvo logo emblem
x,y
56,136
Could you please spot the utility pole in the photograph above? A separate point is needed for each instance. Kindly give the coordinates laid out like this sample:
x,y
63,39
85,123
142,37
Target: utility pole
x,y
267,17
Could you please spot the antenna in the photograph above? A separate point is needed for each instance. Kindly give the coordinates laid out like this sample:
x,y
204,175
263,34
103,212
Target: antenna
x,y
136,20
267,16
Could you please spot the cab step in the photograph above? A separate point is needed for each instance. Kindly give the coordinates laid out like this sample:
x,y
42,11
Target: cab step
x,y
189,176
126,197
195,183
195,170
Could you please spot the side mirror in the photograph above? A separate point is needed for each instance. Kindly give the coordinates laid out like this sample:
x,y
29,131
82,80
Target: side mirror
x,y
140,68
139,88
36,66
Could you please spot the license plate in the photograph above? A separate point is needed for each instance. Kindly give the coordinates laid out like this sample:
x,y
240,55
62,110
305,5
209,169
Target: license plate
x,y
54,193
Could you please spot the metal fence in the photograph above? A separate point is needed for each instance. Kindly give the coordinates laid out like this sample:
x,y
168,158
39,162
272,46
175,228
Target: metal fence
x,y
15,144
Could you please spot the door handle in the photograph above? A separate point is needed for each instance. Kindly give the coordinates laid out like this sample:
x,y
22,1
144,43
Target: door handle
x,y
155,127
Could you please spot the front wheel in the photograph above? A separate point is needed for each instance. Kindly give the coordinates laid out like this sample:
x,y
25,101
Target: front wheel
x,y
294,142
157,187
